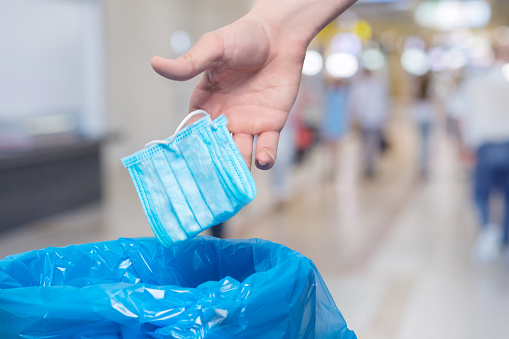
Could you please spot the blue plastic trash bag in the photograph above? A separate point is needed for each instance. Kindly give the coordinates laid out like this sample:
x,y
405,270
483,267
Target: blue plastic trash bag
x,y
136,288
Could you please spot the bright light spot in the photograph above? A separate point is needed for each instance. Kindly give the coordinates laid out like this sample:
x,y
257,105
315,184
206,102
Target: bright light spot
x,y
415,61
415,42
482,56
454,14
449,16
313,63
346,43
505,70
425,14
436,59
372,59
477,13
459,38
341,65
455,59
480,51
180,41
362,29
476,42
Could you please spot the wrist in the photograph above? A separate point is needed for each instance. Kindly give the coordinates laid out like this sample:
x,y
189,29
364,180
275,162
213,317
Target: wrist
x,y
298,20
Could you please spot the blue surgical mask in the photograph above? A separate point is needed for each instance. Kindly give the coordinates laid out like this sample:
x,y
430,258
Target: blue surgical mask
x,y
191,181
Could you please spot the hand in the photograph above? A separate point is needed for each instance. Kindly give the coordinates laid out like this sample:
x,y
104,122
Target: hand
x,y
251,74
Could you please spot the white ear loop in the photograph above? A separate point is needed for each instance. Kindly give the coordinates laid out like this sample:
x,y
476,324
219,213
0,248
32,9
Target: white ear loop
x,y
182,124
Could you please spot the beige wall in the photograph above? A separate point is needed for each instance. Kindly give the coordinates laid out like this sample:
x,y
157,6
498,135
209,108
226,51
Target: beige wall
x,y
141,105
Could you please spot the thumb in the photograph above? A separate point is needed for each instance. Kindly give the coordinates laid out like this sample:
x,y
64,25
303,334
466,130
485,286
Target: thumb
x,y
205,54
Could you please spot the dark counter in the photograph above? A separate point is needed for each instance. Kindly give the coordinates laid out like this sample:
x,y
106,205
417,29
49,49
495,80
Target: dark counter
x,y
41,182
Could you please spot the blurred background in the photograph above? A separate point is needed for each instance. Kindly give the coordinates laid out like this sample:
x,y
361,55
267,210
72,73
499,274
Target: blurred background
x,y
384,170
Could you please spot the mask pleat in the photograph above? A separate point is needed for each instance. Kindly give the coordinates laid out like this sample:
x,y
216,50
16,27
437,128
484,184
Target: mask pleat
x,y
192,194
175,195
227,173
204,173
138,176
162,205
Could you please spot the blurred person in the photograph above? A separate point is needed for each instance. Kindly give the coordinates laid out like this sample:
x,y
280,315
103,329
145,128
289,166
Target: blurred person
x,y
252,69
454,107
481,105
446,86
305,136
334,125
368,105
424,115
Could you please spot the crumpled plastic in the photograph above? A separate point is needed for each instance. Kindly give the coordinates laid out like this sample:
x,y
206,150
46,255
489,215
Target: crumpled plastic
x,y
135,288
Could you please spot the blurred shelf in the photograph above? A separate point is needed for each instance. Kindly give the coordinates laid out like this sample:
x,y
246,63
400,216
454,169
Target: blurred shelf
x,y
46,180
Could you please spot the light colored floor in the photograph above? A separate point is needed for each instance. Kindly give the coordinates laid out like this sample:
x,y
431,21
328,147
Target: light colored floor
x,y
393,251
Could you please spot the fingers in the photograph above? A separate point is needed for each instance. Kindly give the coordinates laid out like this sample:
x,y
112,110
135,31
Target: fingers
x,y
245,144
205,54
266,149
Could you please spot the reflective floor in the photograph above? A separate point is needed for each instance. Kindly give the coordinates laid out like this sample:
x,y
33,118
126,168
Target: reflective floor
x,y
394,250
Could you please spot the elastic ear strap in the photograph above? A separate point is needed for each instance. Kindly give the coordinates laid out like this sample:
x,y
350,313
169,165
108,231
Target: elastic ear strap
x,y
179,128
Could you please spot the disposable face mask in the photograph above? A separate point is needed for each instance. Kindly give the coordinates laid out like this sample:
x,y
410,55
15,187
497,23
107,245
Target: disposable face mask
x,y
191,181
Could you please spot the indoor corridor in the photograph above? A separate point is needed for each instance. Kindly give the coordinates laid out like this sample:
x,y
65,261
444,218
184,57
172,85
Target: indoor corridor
x,y
394,250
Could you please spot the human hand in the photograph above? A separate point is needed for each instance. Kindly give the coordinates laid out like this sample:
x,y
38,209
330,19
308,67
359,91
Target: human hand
x,y
252,69
251,74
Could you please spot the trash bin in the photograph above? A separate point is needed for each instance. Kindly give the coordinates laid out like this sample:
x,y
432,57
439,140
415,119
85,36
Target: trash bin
x,y
135,288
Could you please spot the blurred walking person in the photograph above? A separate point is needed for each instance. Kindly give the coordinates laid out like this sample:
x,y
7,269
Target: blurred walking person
x,y
335,122
368,106
483,105
424,115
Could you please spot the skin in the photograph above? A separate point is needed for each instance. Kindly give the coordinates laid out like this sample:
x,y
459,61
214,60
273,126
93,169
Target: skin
x,y
252,68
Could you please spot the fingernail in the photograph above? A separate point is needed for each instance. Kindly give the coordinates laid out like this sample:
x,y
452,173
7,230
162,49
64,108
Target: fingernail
x,y
263,164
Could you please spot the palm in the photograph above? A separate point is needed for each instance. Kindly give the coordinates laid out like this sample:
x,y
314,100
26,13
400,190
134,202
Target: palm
x,y
249,77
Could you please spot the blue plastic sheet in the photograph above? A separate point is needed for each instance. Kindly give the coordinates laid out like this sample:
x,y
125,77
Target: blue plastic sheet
x,y
136,288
